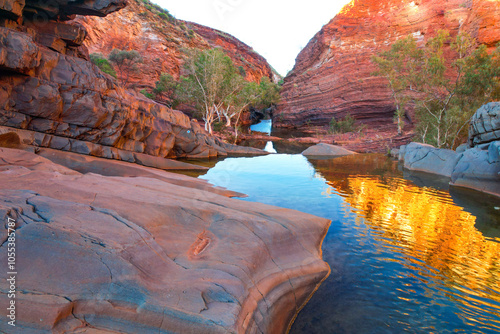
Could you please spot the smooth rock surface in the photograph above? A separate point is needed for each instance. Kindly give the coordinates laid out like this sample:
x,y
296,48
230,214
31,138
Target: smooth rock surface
x,y
428,159
101,254
479,169
326,150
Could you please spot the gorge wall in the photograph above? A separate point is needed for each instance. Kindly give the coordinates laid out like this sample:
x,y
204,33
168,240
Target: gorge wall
x,y
161,39
332,75
52,96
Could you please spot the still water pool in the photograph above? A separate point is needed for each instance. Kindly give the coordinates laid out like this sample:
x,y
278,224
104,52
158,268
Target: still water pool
x,y
404,257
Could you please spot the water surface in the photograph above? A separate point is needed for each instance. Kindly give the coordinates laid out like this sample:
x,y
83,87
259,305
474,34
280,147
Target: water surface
x,y
404,258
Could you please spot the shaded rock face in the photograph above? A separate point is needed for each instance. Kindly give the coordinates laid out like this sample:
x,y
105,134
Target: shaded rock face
x,y
162,43
49,88
485,124
333,74
150,254
476,167
426,158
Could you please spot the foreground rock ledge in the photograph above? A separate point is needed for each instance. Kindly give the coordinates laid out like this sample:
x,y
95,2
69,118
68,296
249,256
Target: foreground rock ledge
x,y
147,255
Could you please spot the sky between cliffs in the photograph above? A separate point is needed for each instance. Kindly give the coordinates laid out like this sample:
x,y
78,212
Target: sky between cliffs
x,y
276,29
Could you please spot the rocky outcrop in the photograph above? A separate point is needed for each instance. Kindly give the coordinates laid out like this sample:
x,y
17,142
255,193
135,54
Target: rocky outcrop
x,y
485,125
49,89
476,167
479,168
162,42
333,77
326,150
428,159
149,254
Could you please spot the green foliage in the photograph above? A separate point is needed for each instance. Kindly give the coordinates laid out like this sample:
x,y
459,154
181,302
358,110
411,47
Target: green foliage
x,y
148,7
165,89
146,94
269,93
125,61
342,126
100,61
217,88
242,71
445,87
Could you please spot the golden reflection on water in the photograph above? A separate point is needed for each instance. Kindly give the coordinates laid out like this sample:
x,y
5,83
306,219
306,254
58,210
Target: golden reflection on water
x,y
435,237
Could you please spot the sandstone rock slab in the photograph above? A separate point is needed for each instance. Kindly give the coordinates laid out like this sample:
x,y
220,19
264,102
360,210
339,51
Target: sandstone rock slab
x,y
141,255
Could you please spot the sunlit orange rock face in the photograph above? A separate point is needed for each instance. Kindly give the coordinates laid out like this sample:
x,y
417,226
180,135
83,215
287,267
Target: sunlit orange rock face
x,y
161,43
333,73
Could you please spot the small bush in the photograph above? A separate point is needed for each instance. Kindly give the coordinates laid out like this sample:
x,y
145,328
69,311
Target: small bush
x,y
148,7
342,126
104,65
218,126
146,94
242,71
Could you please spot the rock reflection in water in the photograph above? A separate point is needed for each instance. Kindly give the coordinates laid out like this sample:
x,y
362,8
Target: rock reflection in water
x,y
425,231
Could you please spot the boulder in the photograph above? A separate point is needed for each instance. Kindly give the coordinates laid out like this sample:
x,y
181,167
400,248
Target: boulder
x,y
479,169
485,124
402,152
428,159
141,254
326,150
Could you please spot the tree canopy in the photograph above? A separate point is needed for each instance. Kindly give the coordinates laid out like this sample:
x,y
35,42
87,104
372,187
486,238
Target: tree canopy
x,y
446,85
217,88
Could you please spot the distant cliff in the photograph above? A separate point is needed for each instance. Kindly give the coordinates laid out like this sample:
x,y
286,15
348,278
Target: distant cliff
x,y
161,40
332,75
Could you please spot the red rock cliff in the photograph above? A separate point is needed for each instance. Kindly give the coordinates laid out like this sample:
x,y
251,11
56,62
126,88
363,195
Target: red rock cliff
x,y
332,74
52,96
160,42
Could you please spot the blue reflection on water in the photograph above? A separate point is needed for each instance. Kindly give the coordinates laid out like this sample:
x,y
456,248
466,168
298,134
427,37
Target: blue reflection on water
x,y
376,285
263,126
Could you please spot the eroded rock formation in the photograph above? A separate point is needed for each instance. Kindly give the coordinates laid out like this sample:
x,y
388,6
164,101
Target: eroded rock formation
x,y
56,98
162,43
476,166
332,76
154,253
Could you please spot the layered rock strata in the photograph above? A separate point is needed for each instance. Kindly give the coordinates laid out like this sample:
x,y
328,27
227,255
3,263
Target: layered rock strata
x,y
157,253
333,77
47,86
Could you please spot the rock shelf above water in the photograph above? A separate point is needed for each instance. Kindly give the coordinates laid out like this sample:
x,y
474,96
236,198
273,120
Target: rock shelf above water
x,y
154,253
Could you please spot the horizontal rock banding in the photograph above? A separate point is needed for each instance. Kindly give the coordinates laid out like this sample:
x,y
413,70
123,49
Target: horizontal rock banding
x,y
333,77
